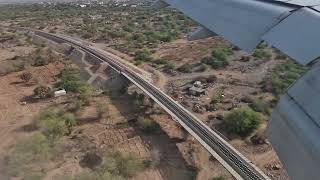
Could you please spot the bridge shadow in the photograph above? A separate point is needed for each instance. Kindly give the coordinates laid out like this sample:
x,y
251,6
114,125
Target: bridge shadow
x,y
166,157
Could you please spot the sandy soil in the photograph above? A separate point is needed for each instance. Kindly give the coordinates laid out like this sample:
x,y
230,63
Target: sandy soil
x,y
14,116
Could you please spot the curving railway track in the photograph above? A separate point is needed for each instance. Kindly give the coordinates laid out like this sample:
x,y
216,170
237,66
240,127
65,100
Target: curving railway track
x,y
239,166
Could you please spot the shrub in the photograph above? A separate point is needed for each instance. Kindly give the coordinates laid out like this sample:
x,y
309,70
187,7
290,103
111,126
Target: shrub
x,y
281,56
242,121
71,81
161,61
55,123
86,93
283,76
37,149
219,58
147,125
170,66
144,55
40,61
262,54
259,105
42,92
26,76
121,165
262,45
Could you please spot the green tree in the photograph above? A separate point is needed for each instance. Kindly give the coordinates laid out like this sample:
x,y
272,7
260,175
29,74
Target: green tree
x,y
42,92
219,57
143,55
146,124
242,121
55,123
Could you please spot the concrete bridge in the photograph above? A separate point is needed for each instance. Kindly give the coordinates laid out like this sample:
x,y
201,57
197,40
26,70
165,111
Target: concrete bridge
x,y
110,72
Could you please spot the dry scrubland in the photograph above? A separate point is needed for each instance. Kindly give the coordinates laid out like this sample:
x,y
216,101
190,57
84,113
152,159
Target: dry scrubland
x,y
89,135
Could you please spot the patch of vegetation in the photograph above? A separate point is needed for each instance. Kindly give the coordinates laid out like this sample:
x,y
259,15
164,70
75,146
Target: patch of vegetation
x,y
283,76
194,171
42,92
143,55
119,165
263,45
40,61
55,123
242,121
115,166
262,54
219,58
72,81
103,110
217,98
147,125
136,27
218,178
161,61
36,150
281,56
260,105
170,66
26,76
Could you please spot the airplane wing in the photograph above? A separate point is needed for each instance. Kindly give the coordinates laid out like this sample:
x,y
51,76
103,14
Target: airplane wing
x,y
292,26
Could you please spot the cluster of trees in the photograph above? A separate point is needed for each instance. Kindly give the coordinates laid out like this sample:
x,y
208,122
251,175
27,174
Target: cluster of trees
x,y
71,81
218,58
283,76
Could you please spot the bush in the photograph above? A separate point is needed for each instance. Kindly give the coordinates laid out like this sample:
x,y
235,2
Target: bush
x,y
259,105
283,76
219,58
55,123
121,165
35,150
40,61
71,81
42,92
147,125
242,121
262,54
161,61
144,55
86,93
26,76
170,66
